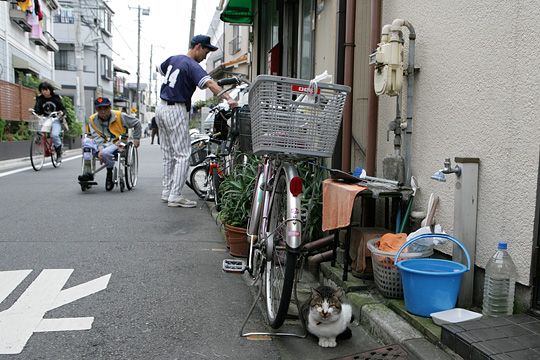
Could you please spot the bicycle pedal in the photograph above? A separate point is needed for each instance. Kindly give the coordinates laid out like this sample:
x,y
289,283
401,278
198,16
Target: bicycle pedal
x,y
234,265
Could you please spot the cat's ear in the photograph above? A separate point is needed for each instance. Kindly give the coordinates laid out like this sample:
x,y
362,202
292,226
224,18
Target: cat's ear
x,y
339,293
315,293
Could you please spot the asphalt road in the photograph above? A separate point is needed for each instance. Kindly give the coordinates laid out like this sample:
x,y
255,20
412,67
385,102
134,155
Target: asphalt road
x,y
150,276
167,297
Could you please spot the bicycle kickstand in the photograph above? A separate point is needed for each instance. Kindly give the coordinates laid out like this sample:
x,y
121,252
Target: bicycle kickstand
x,y
302,335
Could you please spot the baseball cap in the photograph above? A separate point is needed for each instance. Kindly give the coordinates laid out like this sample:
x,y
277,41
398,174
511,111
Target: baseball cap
x,y
204,40
102,101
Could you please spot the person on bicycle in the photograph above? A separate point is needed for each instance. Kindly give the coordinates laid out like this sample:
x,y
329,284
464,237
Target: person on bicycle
x,y
106,127
46,103
182,74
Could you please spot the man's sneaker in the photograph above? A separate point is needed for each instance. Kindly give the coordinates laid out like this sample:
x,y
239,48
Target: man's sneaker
x,y
59,158
86,177
109,184
182,202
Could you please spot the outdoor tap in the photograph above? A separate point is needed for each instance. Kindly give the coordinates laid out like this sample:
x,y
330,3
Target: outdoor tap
x,y
439,175
449,170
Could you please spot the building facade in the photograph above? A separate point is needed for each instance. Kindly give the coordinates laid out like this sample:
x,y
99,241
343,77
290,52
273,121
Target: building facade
x,y
472,96
84,59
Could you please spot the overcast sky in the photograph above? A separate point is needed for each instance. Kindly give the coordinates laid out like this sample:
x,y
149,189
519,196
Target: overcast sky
x,y
167,28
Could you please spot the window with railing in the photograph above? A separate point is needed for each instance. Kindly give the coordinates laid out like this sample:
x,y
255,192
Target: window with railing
x,y
64,16
234,44
64,60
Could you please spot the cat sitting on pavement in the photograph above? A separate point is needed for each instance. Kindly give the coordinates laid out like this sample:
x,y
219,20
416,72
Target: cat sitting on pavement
x,y
327,315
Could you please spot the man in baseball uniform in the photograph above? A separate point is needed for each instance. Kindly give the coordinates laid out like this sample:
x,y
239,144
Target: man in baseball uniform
x,y
182,74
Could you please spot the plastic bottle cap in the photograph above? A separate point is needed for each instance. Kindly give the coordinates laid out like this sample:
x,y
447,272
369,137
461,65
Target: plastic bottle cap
x,y
503,246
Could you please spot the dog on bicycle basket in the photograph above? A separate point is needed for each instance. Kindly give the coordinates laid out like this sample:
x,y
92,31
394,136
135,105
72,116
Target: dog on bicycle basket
x,y
327,316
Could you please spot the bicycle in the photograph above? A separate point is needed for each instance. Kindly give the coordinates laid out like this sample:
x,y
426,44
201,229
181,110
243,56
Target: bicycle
x,y
205,179
292,120
41,145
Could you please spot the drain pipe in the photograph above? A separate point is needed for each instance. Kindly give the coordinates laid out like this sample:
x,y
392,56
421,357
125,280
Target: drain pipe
x,y
349,77
373,99
407,126
315,260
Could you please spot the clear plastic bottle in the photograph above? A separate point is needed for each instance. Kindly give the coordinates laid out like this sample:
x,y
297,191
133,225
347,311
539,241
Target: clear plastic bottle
x,y
499,284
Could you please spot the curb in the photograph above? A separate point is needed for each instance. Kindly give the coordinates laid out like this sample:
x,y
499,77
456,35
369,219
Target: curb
x,y
370,308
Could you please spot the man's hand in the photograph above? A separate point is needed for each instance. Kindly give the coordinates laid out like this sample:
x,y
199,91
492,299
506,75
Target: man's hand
x,y
136,142
232,103
100,156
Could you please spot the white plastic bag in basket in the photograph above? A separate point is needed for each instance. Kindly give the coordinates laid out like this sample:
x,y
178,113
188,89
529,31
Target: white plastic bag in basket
x,y
46,125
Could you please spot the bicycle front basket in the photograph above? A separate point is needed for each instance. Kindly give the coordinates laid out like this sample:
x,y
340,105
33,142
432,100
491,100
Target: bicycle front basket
x,y
293,116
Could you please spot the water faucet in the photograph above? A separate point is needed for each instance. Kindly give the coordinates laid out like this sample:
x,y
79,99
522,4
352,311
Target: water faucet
x,y
439,175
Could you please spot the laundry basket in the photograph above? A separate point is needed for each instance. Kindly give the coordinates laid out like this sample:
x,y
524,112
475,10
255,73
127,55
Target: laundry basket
x,y
386,274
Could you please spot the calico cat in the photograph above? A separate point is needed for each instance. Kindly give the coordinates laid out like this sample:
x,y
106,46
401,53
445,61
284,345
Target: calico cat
x,y
327,316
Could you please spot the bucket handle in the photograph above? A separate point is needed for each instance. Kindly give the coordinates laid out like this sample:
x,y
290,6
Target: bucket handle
x,y
425,236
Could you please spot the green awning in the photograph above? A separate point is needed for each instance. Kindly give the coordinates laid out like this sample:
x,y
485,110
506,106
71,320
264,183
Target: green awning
x,y
238,12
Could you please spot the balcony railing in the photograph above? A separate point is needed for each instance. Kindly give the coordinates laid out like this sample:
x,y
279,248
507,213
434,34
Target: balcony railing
x,y
51,45
19,18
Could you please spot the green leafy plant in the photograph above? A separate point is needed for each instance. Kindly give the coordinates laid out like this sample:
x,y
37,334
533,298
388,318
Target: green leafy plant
x,y
75,126
2,128
236,192
28,80
311,201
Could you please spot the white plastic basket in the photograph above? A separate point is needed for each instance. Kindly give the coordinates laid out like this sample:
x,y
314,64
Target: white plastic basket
x,y
385,273
292,116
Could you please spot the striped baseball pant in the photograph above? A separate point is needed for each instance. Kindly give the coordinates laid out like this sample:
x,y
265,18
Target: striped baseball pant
x,y
173,124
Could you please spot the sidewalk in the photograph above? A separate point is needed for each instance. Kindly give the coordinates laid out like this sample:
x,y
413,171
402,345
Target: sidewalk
x,y
13,164
386,319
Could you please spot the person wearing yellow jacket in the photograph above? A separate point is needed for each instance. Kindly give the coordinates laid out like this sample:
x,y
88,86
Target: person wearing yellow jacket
x,y
105,128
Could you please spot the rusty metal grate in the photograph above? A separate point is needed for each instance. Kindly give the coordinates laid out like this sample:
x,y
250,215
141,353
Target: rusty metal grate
x,y
385,353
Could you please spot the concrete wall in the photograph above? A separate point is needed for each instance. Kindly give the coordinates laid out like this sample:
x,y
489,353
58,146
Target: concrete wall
x,y
476,95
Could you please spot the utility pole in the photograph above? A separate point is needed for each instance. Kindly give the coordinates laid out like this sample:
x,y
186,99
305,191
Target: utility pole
x,y
79,60
138,92
150,77
192,24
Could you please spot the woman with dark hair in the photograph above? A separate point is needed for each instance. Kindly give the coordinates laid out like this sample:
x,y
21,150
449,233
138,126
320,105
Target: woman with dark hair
x,y
46,103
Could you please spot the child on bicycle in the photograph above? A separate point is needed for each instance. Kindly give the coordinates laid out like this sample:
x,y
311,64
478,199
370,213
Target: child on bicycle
x,y
105,128
46,103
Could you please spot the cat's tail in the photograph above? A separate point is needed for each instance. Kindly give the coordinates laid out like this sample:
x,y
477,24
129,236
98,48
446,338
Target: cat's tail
x,y
346,334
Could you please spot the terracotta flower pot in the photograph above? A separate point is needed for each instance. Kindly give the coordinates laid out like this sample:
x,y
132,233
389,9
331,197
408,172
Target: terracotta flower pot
x,y
237,239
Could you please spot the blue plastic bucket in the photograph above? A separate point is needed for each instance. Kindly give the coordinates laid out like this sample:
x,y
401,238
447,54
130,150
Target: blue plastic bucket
x,y
430,285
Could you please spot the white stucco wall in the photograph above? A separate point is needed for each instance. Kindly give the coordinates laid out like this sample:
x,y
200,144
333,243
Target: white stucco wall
x,y
476,95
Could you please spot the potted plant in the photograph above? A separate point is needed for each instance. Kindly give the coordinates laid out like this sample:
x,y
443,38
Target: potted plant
x,y
236,193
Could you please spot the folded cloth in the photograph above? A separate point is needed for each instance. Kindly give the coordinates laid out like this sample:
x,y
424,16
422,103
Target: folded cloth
x,y
338,201
392,242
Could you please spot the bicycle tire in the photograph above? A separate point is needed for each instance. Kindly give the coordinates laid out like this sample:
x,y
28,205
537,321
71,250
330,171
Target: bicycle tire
x,y
198,181
131,166
281,264
54,159
37,152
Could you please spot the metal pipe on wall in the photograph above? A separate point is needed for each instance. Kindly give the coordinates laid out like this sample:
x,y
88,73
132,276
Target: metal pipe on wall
x,y
373,99
349,79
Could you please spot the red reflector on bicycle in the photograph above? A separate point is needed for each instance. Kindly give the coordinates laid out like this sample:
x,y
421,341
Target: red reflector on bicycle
x,y
296,186
304,89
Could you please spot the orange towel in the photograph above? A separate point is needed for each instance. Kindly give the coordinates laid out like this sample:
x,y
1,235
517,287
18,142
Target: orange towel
x,y
392,242
338,201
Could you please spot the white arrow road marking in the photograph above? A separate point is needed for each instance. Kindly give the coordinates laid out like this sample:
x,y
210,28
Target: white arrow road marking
x,y
22,319
66,324
10,280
